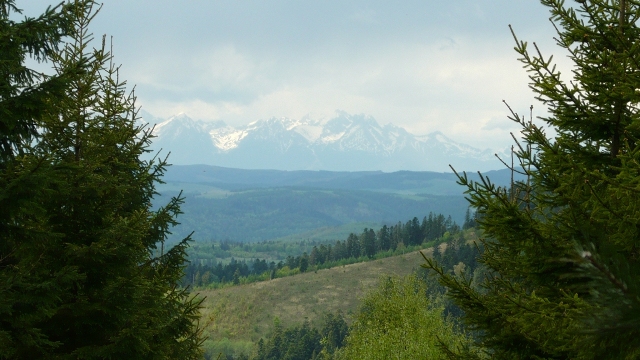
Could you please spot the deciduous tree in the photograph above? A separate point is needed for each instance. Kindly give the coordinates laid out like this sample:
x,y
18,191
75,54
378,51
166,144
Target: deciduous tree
x,y
397,321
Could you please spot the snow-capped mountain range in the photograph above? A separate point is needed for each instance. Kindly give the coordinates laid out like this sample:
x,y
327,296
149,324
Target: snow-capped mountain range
x,y
344,142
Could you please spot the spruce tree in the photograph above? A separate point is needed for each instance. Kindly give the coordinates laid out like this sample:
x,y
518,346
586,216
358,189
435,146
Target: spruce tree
x,y
26,289
24,92
562,248
81,272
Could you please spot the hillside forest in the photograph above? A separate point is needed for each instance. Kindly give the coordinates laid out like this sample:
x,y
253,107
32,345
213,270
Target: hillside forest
x,y
206,267
95,265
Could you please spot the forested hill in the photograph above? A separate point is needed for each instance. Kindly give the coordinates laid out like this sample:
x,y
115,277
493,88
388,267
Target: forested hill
x,y
208,265
257,205
435,183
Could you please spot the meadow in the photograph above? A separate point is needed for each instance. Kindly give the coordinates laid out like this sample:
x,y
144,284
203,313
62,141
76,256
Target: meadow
x,y
236,317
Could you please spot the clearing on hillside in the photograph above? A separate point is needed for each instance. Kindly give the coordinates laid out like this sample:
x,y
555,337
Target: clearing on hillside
x,y
243,314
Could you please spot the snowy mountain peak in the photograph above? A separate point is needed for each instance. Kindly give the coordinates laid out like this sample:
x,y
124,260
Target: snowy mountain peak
x,y
175,123
343,142
344,120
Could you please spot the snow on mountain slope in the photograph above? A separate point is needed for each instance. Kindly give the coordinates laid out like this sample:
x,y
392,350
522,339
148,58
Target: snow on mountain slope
x,y
227,138
343,142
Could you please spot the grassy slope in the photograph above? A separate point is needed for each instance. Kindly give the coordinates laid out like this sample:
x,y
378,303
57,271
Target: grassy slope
x,y
243,314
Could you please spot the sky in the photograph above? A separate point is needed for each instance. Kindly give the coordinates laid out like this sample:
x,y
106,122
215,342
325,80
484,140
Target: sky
x,y
425,65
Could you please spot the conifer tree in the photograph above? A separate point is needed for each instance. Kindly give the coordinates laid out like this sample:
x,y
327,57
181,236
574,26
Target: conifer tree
x,y
368,243
25,93
81,274
562,248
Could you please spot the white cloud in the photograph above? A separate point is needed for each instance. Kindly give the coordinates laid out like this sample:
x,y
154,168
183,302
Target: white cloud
x,y
457,90
424,65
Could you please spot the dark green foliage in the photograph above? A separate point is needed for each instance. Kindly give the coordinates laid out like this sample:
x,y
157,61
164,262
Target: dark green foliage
x,y
469,220
353,246
205,269
24,93
415,235
303,265
297,343
456,257
80,273
304,342
334,332
383,238
368,243
236,277
435,226
561,249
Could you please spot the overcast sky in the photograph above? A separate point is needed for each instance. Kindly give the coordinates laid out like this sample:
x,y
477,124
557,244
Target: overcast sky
x,y
426,65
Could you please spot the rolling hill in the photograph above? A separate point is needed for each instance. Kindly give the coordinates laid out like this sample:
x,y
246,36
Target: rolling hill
x,y
236,317
258,205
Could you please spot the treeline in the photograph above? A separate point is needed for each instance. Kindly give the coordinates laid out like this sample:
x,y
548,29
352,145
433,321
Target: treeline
x,y
299,342
304,342
369,244
210,252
